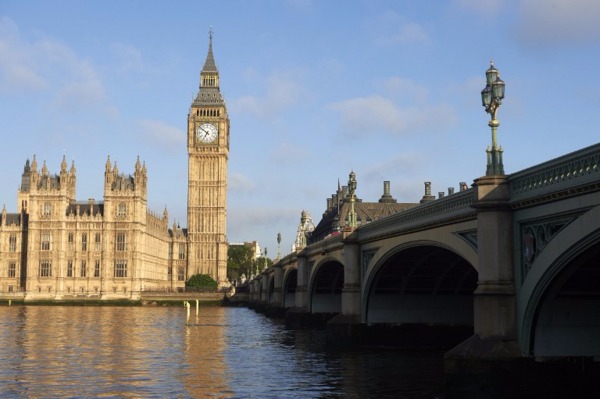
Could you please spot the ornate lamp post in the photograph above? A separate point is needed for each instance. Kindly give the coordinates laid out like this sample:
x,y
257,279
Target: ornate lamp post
x,y
491,98
265,260
352,189
278,246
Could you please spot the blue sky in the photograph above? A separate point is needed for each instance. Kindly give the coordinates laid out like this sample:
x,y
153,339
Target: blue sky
x,y
314,89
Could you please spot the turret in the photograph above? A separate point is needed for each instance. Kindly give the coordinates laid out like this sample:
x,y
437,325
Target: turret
x,y
72,182
34,165
108,176
64,175
63,165
305,227
26,178
140,178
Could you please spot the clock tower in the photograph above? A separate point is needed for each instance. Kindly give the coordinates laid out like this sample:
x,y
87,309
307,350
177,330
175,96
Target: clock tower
x,y
208,152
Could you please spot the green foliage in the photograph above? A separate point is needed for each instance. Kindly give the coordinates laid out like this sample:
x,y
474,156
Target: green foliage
x,y
240,259
201,282
263,263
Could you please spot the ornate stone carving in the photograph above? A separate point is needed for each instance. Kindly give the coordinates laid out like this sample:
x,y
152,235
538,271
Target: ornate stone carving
x,y
366,259
470,237
534,239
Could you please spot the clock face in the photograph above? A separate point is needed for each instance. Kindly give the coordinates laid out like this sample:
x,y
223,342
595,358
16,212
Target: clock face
x,y
206,133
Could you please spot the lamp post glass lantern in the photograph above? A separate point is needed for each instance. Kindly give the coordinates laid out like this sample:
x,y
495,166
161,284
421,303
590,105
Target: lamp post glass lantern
x,y
491,99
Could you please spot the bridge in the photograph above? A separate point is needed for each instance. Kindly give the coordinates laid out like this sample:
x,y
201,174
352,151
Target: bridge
x,y
507,268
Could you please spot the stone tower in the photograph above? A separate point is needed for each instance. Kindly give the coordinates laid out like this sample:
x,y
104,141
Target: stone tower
x,y
208,152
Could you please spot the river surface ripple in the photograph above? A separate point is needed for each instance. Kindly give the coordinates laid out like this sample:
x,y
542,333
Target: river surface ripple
x,y
151,352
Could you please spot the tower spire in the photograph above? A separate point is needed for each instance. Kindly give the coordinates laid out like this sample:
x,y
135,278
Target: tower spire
x,y
209,93
209,64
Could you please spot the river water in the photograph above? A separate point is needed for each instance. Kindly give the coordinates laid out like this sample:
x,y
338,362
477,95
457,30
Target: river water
x,y
152,352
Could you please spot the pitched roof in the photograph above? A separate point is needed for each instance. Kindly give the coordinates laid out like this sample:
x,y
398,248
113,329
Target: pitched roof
x,y
335,219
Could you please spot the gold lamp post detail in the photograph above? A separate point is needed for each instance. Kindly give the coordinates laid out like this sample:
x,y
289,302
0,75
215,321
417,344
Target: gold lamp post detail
x,y
491,98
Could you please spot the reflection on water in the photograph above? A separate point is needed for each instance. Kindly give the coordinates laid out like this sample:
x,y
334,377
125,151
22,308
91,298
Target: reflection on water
x,y
110,352
150,352
282,363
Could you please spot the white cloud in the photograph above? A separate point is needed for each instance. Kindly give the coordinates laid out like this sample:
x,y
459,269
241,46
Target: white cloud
x,y
47,66
403,164
410,33
130,58
289,154
239,183
82,90
363,117
18,66
552,22
395,29
282,90
406,88
252,223
161,135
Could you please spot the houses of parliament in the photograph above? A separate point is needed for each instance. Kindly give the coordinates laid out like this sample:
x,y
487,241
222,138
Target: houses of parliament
x,y
56,247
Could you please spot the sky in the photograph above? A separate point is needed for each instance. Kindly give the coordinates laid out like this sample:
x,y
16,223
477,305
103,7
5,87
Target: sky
x,y
389,89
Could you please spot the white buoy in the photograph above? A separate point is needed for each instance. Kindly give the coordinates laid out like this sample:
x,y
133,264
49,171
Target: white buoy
x,y
197,307
9,302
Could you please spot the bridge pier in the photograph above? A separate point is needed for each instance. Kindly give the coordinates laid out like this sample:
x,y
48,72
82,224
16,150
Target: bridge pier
x,y
493,346
347,328
277,299
302,294
351,293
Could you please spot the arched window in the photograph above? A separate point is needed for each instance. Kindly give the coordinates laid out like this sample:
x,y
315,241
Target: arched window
x,y
122,209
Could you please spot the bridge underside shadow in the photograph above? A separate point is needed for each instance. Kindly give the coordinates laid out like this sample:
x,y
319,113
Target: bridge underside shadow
x,y
289,291
568,320
326,295
421,296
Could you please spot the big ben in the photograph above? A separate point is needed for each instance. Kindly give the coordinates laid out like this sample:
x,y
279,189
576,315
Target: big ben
x,y
208,153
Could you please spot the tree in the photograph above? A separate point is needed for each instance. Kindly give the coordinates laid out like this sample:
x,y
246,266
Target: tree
x,y
240,259
262,263
201,282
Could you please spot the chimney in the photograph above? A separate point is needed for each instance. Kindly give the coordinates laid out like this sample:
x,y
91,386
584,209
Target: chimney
x,y
386,197
427,197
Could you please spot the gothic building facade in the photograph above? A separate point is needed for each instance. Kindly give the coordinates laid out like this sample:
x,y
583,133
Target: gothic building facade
x,y
56,247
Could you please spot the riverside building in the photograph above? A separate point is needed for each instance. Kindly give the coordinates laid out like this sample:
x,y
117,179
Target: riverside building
x,y
58,247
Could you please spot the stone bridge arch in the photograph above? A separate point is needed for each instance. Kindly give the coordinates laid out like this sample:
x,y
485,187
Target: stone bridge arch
x,y
271,289
559,301
326,284
290,284
421,282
